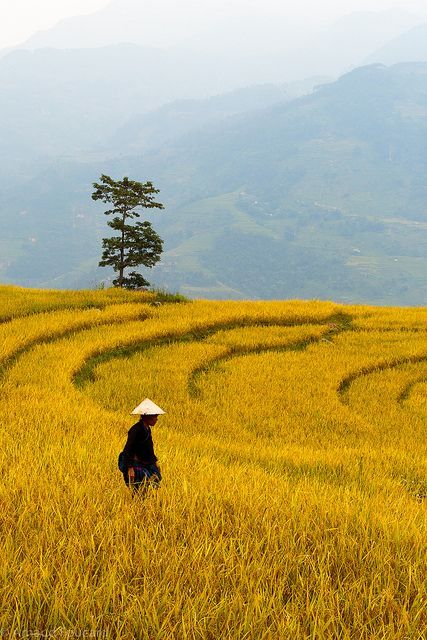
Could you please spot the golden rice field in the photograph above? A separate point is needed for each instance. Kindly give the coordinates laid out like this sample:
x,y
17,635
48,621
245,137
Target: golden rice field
x,y
293,455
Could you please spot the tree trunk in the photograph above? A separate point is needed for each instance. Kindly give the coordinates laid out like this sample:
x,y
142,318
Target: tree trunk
x,y
122,253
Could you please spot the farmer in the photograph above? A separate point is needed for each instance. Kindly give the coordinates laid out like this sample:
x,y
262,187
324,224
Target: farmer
x,y
138,461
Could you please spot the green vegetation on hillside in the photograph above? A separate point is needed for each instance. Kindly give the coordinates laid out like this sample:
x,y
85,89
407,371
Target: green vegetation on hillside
x,y
292,200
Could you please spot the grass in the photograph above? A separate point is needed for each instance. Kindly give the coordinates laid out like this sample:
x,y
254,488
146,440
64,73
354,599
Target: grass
x,y
284,511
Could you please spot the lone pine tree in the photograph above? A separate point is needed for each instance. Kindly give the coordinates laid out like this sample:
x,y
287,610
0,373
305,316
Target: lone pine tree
x,y
136,244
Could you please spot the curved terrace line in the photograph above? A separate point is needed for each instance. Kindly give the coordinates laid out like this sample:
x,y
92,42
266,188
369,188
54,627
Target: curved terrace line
x,y
9,361
346,383
101,306
389,329
86,374
153,299
406,392
50,310
238,352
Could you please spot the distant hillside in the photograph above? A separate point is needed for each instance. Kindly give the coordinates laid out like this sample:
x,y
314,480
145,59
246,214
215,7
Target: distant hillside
x,y
346,43
173,120
123,21
246,44
407,47
353,136
324,196
57,103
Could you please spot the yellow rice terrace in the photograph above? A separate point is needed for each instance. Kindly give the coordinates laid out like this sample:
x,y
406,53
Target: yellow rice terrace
x,y
293,456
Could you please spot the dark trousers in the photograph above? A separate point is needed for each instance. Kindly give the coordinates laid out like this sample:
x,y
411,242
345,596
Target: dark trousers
x,y
146,476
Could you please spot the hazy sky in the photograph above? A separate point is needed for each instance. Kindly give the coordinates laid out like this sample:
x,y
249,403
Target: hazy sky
x,y
20,18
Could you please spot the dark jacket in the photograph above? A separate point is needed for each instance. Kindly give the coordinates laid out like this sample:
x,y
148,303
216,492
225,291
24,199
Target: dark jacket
x,y
140,444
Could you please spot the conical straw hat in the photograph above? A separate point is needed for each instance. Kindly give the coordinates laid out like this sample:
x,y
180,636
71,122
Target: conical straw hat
x,y
148,408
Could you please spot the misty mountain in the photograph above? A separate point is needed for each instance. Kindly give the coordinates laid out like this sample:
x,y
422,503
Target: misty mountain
x,y
407,47
204,26
300,49
154,23
56,102
246,47
175,119
67,102
346,43
324,196
251,36
71,102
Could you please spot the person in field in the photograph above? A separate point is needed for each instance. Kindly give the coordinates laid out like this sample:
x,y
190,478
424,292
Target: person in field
x,y
137,461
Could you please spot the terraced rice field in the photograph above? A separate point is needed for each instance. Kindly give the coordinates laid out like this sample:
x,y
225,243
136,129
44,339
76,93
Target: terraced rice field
x,y
293,455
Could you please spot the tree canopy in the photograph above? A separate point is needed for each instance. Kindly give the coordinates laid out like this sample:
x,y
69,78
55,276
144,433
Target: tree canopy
x,y
135,244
